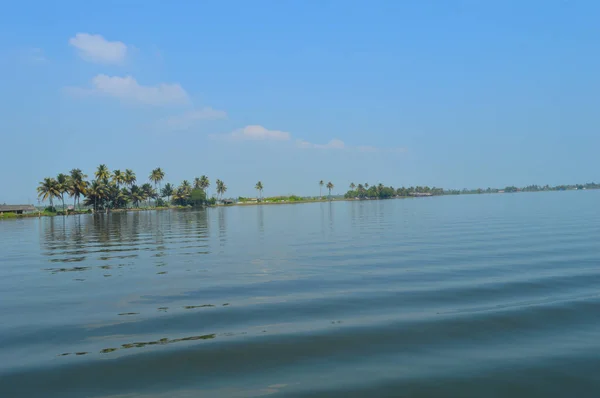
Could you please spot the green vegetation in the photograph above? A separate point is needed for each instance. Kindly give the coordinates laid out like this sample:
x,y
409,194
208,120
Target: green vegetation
x,y
118,190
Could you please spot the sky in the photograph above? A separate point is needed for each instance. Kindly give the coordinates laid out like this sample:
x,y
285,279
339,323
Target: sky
x,y
451,94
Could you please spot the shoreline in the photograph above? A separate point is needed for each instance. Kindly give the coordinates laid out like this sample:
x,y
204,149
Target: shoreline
x,y
12,216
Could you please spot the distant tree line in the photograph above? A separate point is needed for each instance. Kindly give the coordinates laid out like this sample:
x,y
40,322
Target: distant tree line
x,y
380,191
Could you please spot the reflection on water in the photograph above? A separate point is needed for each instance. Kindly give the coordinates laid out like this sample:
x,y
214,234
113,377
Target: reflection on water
x,y
474,296
115,237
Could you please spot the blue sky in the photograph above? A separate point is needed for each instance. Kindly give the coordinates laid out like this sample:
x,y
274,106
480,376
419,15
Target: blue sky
x,y
442,93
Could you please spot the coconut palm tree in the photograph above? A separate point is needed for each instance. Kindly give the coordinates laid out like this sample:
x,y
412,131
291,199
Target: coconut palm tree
x,y
352,186
48,190
259,188
221,188
330,186
367,185
102,173
167,191
181,196
156,176
78,185
185,185
148,192
118,178
63,181
197,183
204,184
321,183
130,178
96,194
136,195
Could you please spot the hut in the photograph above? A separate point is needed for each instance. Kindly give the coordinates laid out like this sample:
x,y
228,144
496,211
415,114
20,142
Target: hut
x,y
17,209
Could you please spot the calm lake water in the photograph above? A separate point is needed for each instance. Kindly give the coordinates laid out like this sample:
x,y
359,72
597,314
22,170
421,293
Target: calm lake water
x,y
469,296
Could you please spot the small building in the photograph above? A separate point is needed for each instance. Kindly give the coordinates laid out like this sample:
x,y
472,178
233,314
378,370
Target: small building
x,y
17,209
227,201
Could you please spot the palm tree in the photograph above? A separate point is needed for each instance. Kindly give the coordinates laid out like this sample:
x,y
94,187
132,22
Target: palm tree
x,y
148,192
197,183
157,176
48,190
78,185
136,195
185,185
118,178
259,188
330,186
361,190
321,183
167,191
367,185
221,188
352,186
102,173
180,196
63,186
204,184
96,194
130,178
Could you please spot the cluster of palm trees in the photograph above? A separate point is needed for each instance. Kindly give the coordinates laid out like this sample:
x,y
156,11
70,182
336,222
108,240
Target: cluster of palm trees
x,y
118,189
329,186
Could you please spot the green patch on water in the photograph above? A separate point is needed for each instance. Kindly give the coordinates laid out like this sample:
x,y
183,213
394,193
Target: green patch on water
x,y
128,313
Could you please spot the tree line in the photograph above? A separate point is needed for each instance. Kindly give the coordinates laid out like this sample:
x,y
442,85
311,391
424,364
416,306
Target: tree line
x,y
120,189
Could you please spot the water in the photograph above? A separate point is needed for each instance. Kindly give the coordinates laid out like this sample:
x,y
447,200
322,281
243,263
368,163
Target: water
x,y
470,296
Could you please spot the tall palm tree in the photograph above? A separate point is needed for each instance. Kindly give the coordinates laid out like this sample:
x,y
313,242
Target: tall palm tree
x,y
78,185
221,188
63,181
102,173
330,186
204,184
130,178
167,191
118,178
321,183
352,186
197,183
48,190
259,188
367,185
156,176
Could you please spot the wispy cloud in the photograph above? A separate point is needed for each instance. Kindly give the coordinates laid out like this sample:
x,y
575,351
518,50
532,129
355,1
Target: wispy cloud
x,y
333,144
340,145
95,48
254,133
188,119
129,90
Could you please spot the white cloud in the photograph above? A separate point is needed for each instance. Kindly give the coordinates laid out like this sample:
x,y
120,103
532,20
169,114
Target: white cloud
x,y
128,89
95,48
186,120
255,133
333,144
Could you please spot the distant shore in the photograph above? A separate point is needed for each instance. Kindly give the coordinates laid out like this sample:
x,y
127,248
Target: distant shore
x,y
45,213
